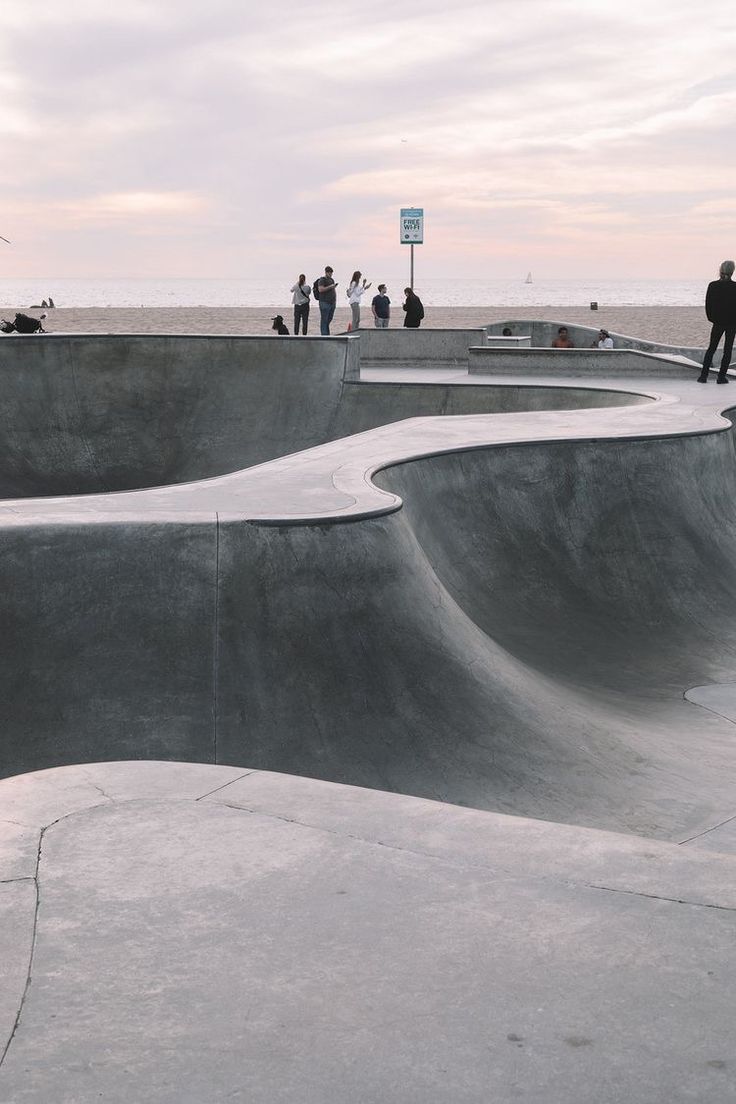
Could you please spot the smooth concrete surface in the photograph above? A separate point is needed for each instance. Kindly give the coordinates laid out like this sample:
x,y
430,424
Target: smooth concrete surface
x,y
105,413
509,621
184,933
511,592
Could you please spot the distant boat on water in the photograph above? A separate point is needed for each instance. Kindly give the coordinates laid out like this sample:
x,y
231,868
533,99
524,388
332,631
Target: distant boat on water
x,y
528,278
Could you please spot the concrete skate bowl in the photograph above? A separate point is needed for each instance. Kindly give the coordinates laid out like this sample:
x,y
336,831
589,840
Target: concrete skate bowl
x,y
206,622
80,415
502,641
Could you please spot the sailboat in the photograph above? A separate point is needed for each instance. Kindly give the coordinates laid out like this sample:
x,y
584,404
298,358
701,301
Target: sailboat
x,y
528,278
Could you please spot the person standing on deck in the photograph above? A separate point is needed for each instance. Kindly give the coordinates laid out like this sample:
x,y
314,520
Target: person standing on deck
x,y
720,310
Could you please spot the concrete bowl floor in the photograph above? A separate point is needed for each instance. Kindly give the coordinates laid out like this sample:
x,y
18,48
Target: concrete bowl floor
x,y
514,593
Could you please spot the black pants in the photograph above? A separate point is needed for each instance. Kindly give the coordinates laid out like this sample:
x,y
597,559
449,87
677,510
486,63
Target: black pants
x,y
716,333
301,314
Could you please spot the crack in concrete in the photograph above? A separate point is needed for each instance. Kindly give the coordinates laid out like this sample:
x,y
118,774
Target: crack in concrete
x,y
658,897
34,933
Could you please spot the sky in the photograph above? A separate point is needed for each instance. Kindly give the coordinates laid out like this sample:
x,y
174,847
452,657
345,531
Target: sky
x,y
223,139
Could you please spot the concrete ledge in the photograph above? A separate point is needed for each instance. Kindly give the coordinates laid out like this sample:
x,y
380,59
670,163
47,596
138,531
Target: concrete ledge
x,y
601,363
426,345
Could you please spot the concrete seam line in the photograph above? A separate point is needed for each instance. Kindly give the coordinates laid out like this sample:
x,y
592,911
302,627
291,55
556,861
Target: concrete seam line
x,y
707,831
216,641
498,872
225,785
657,897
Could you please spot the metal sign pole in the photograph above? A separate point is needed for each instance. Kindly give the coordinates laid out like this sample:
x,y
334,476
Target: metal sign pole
x,y
411,269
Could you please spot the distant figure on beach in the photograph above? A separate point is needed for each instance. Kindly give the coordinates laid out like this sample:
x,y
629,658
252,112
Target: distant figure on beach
x,y
300,298
327,300
414,310
278,325
562,341
355,293
720,310
381,307
507,332
603,340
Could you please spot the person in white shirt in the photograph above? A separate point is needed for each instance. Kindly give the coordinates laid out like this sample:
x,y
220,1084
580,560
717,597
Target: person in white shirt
x,y
300,298
355,294
604,340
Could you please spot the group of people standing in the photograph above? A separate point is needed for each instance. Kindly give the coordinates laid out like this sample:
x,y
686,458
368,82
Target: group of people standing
x,y
324,291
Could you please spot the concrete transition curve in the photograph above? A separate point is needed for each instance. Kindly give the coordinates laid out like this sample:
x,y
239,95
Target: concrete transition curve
x,y
516,597
489,577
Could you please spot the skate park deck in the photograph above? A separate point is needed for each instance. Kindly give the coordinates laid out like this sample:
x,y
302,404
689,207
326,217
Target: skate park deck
x,y
501,602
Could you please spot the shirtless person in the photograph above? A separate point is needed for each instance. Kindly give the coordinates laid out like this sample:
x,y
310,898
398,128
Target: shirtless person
x,y
562,341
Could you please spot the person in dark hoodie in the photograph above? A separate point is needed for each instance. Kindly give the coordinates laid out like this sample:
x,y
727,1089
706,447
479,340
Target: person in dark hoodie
x,y
414,311
720,310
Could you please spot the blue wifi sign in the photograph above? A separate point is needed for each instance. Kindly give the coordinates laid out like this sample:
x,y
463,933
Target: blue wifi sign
x,y
412,225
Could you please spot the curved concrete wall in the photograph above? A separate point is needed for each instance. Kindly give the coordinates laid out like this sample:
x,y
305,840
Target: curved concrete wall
x,y
424,651
86,414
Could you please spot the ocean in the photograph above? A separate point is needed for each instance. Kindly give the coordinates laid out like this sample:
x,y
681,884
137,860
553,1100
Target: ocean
x,y
178,292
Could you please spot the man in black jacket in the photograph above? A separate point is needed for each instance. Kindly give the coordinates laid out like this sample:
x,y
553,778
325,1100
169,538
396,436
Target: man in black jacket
x,y
720,309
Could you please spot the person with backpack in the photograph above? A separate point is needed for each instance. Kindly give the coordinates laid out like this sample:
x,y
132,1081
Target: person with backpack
x,y
325,290
414,311
300,298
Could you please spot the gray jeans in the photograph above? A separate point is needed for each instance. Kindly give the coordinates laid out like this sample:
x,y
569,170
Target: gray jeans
x,y
355,308
381,323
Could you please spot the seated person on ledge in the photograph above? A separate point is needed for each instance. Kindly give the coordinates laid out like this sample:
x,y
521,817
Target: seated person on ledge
x,y
562,341
603,341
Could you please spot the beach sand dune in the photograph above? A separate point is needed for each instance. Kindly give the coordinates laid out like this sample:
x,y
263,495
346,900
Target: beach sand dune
x,y
671,325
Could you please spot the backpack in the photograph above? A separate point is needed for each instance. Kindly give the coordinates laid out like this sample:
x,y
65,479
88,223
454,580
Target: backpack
x,y
315,289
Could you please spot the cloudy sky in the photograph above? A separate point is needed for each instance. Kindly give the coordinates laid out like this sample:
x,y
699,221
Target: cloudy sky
x,y
572,137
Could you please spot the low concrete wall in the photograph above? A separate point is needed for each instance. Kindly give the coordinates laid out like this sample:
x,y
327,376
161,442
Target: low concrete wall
x,y
399,346
572,362
544,332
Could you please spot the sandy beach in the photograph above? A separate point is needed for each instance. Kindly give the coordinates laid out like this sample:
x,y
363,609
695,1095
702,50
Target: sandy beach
x,y
672,325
